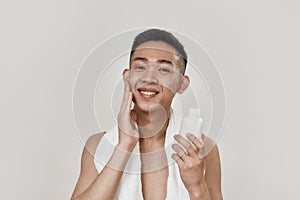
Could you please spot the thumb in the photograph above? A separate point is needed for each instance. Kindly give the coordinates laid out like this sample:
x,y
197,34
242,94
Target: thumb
x,y
133,115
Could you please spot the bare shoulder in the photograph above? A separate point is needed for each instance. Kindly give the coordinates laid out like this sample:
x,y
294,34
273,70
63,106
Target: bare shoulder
x,y
92,143
87,158
211,146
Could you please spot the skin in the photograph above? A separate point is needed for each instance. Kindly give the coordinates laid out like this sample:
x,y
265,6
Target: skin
x,y
154,66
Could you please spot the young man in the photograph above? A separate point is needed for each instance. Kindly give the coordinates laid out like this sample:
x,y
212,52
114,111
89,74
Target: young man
x,y
156,74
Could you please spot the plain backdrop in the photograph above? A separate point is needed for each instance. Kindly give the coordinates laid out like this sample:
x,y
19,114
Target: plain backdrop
x,y
255,44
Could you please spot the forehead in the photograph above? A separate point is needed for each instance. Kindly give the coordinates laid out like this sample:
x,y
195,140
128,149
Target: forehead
x,y
156,50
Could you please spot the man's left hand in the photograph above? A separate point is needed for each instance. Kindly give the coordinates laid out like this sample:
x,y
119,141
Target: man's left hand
x,y
191,166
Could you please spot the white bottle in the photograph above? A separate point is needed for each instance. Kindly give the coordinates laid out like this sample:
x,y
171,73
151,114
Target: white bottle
x,y
191,123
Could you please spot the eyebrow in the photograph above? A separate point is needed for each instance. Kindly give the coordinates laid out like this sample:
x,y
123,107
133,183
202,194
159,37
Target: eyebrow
x,y
159,60
140,59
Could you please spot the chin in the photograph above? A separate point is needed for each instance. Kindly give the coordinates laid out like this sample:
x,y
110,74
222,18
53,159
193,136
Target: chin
x,y
146,107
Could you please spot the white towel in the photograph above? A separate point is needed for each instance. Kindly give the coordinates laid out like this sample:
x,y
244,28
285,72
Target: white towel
x,y
130,187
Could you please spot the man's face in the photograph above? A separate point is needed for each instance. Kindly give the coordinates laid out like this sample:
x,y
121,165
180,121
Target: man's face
x,y
155,75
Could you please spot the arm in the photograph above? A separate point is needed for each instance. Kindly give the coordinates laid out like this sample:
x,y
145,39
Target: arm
x,y
211,185
213,174
202,193
91,185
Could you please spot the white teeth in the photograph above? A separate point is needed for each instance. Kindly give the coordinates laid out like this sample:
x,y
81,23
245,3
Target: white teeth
x,y
148,93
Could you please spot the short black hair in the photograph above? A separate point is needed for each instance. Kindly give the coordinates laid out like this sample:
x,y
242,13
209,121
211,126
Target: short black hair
x,y
160,35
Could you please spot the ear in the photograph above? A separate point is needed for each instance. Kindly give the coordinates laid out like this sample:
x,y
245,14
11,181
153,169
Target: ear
x,y
185,82
125,74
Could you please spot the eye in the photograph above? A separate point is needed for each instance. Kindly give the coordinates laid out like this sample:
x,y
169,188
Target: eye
x,y
164,69
140,68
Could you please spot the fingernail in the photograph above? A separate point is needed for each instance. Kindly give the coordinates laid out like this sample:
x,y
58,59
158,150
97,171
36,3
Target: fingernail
x,y
201,141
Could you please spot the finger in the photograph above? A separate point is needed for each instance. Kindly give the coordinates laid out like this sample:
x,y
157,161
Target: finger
x,y
180,152
186,144
133,115
178,160
127,98
125,122
129,101
198,143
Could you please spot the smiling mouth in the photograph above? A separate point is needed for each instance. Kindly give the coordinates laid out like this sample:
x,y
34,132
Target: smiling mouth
x,y
148,92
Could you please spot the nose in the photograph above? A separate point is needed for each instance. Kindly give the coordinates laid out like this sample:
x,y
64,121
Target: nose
x,y
150,77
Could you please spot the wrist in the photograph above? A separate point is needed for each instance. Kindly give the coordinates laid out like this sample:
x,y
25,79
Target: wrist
x,y
199,192
125,147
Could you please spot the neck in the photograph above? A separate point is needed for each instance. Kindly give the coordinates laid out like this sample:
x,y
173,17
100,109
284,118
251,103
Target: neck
x,y
152,128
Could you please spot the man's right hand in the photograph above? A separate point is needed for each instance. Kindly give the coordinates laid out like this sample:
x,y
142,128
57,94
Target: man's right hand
x,y
128,132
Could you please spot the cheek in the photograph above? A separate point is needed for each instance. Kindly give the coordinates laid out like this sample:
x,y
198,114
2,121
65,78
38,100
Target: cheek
x,y
132,80
171,85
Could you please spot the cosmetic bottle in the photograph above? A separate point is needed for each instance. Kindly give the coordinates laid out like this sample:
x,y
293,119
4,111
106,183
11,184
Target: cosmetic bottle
x,y
191,123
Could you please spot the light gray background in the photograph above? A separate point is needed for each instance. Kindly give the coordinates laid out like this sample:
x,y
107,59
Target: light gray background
x,y
255,44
